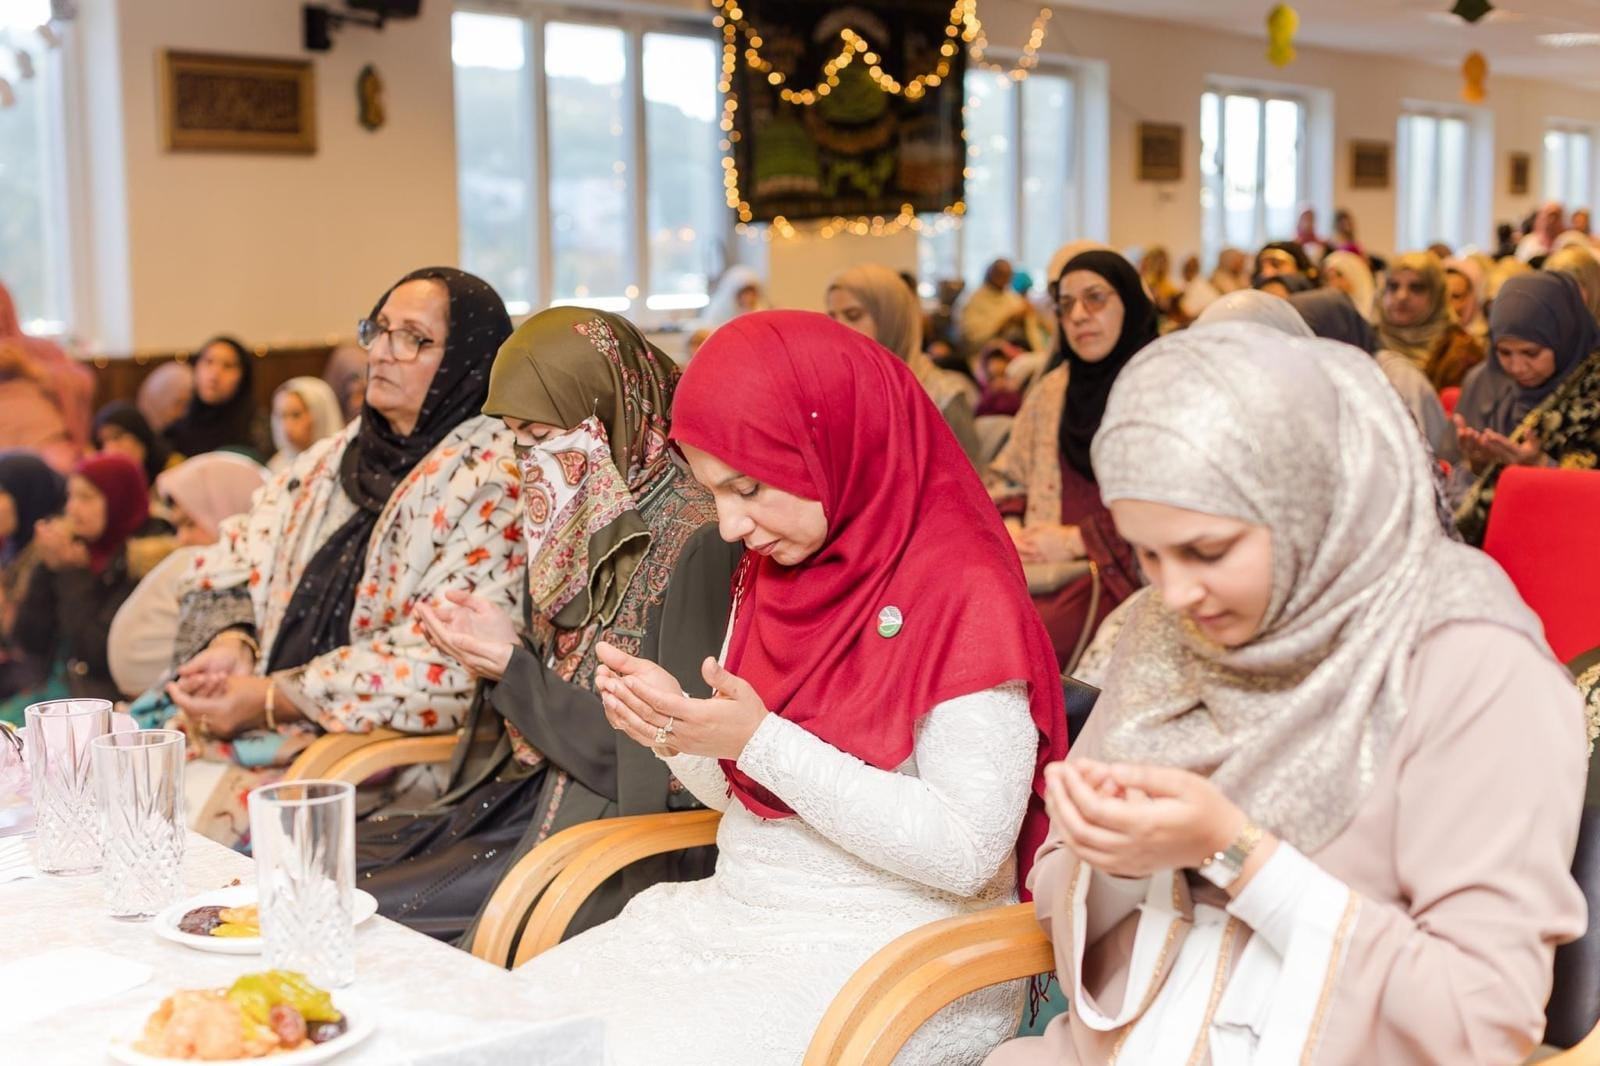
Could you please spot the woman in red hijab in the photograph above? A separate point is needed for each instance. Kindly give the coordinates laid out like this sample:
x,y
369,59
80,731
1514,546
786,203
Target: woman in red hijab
x,y
85,572
885,706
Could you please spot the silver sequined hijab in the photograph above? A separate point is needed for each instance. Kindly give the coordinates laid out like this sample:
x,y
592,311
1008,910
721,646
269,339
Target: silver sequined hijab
x,y
1307,438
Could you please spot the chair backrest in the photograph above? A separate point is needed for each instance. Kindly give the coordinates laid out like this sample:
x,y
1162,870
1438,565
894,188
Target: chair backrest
x,y
1574,1007
1080,701
1542,529
1448,396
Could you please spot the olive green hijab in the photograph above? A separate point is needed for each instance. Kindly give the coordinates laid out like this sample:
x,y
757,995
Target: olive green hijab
x,y
575,368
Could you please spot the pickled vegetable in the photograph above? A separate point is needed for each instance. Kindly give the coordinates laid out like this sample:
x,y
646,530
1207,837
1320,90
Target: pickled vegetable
x,y
229,929
257,993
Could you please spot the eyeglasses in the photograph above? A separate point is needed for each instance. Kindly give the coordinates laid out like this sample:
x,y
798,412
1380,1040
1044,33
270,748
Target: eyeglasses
x,y
405,344
1094,301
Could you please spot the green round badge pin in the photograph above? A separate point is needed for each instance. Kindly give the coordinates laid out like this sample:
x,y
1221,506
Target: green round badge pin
x,y
889,621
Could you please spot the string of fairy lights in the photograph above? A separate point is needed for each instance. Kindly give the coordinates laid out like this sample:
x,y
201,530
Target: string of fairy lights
x,y
963,29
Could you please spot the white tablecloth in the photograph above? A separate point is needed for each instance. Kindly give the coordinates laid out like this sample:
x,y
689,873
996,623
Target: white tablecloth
x,y
436,1005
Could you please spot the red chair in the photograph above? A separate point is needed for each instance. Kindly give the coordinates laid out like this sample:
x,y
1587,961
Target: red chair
x,y
1543,528
1448,397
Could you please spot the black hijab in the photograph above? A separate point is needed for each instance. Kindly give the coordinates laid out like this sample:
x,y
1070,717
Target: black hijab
x,y
1089,384
36,492
209,427
1332,315
1542,308
379,458
126,417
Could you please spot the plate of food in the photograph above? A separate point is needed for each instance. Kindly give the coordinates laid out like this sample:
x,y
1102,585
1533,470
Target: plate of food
x,y
276,1015
227,921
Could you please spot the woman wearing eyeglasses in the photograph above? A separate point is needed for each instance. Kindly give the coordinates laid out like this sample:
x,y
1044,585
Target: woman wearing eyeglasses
x,y
301,618
1078,567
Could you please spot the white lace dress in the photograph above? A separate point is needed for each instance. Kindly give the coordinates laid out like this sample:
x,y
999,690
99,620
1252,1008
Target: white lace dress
x,y
737,969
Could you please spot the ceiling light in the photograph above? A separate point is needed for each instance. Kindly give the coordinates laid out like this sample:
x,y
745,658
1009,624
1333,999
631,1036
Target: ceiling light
x,y
1569,40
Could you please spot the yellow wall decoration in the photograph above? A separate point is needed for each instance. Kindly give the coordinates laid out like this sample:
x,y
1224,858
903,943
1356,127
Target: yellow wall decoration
x,y
1474,74
1282,22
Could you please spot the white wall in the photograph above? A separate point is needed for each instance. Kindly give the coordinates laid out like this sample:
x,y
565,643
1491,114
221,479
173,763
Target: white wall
x,y
278,249
292,249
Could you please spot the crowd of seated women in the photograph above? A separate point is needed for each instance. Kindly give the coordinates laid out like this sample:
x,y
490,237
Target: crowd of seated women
x,y
826,579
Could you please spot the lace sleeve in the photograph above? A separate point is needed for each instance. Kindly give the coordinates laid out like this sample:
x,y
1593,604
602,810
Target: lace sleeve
x,y
951,826
703,777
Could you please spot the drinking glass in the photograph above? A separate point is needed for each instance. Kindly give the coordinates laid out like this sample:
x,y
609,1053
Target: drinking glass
x,y
138,779
67,831
304,837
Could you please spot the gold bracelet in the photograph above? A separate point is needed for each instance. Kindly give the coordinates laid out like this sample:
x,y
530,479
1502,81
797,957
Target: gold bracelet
x,y
241,637
272,689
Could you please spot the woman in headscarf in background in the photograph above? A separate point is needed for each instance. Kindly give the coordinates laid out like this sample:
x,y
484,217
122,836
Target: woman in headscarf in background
x,y
301,618
737,292
1332,316
85,573
1255,842
30,416
1536,401
1466,283
1078,567
1352,275
1414,319
199,494
304,411
165,393
30,492
222,412
874,301
120,428
1579,263
623,549
68,382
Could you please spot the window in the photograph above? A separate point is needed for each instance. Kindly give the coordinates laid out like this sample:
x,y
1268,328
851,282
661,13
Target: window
x,y
1435,171
592,176
1252,168
33,225
1569,166
1022,185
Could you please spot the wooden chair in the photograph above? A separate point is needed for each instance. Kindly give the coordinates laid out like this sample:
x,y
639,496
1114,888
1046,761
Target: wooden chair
x,y
543,891
354,757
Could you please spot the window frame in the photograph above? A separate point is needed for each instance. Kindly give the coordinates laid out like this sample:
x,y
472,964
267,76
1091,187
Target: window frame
x,y
1075,204
1478,139
1569,128
1214,234
634,23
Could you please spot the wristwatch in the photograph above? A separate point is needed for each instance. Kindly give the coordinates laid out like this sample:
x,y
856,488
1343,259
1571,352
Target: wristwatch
x,y
1223,868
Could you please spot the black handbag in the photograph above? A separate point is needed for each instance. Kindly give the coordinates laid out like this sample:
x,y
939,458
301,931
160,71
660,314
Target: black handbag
x,y
1080,701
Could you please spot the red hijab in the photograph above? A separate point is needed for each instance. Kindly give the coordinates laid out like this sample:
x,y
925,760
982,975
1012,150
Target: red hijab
x,y
122,483
811,407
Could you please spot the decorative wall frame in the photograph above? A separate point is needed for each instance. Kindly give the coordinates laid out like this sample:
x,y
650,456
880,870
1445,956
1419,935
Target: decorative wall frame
x,y
1518,179
1370,164
229,103
1160,151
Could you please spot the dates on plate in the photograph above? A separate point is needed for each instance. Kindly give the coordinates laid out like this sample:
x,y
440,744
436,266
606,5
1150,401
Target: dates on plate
x,y
322,1032
201,920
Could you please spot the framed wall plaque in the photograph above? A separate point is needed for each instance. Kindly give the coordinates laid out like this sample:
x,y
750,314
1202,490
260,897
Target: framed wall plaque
x,y
1160,151
226,103
1518,182
1369,164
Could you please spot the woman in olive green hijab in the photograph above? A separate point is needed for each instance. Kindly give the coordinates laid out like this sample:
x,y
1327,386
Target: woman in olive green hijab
x,y
622,547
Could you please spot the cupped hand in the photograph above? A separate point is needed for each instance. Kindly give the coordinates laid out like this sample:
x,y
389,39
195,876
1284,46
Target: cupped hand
x,y
240,705
717,728
471,630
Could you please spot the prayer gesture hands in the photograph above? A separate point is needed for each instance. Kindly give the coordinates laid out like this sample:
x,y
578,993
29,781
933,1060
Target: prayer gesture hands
x,y
1131,821
58,549
644,701
472,631
1484,448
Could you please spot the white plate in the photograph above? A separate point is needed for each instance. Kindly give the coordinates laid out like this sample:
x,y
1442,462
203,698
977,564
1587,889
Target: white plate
x,y
166,923
361,1026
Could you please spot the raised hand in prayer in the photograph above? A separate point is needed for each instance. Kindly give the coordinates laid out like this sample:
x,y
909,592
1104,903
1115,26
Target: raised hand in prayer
x,y
1131,821
653,710
58,549
1484,448
471,631
1049,543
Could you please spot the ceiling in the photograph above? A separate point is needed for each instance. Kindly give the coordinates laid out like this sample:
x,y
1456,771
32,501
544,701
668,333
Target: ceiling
x,y
1417,29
